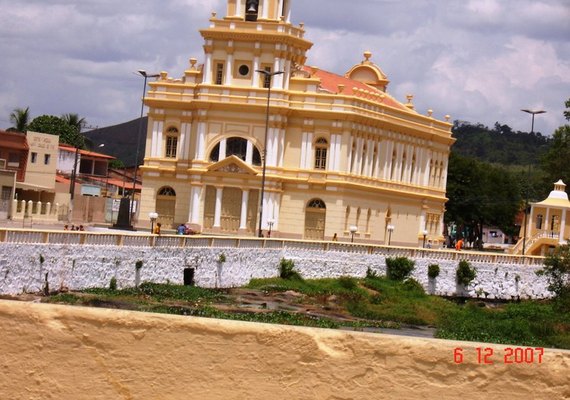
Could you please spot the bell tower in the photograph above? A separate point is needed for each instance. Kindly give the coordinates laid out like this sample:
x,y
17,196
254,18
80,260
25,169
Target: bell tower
x,y
260,10
254,35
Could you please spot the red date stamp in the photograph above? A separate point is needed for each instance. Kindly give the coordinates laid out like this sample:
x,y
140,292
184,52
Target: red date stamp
x,y
509,355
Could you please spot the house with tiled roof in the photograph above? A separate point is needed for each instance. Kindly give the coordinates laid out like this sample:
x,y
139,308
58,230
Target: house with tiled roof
x,y
252,140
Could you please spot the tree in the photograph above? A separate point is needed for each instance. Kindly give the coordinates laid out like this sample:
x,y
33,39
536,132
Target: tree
x,y
481,194
557,272
20,118
56,126
74,121
555,160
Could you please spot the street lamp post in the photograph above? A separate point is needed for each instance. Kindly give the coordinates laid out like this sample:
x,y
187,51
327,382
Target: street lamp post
x,y
390,230
425,232
139,134
533,113
353,230
153,216
270,222
72,184
268,75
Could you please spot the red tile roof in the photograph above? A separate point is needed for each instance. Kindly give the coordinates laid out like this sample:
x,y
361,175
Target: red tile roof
x,y
85,152
13,140
330,82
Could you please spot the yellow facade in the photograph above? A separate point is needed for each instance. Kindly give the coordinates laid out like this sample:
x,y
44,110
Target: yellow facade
x,y
340,151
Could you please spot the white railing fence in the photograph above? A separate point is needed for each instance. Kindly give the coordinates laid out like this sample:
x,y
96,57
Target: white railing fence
x,y
141,240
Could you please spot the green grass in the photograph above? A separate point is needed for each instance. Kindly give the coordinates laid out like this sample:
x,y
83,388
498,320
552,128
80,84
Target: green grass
x,y
379,302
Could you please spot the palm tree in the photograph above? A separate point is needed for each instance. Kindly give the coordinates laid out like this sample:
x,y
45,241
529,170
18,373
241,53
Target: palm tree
x,y
74,121
20,117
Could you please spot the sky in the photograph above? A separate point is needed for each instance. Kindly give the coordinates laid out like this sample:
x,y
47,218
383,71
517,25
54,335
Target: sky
x,y
480,61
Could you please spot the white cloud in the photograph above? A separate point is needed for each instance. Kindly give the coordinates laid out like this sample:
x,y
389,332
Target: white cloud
x,y
479,60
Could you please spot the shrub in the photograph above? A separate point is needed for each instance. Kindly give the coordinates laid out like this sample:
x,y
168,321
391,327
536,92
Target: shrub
x,y
222,258
371,274
399,268
138,264
433,271
465,273
287,270
347,282
113,283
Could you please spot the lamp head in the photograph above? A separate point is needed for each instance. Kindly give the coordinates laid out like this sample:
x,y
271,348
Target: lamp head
x,y
533,112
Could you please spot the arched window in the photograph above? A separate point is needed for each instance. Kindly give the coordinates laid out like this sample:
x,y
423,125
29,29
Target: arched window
x,y
412,176
316,203
321,150
171,142
236,146
166,191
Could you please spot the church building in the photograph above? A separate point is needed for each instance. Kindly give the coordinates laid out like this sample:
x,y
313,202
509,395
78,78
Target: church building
x,y
252,137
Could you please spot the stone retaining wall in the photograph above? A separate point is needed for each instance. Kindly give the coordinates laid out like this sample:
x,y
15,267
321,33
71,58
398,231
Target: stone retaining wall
x,y
25,268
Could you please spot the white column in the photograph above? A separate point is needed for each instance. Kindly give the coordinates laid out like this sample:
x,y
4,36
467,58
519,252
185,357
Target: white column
x,y
309,153
280,10
408,166
154,139
303,150
370,158
255,75
265,9
358,156
218,209
562,225
444,174
240,8
388,160
281,147
287,76
249,153
194,216
379,160
208,69
244,205
331,162
185,134
222,154
229,68
427,172
201,141
271,152
275,79
350,156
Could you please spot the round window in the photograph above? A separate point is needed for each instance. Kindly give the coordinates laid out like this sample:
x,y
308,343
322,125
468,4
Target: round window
x,y
243,70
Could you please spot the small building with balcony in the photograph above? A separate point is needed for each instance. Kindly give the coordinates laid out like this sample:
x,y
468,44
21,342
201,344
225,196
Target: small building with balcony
x,y
548,225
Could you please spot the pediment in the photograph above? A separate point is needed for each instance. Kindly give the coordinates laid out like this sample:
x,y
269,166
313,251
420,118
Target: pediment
x,y
232,165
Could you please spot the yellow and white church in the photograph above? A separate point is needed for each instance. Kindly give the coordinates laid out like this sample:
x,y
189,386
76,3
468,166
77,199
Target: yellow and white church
x,y
342,156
